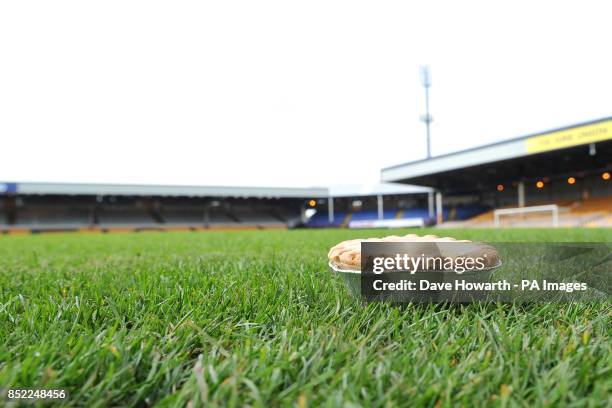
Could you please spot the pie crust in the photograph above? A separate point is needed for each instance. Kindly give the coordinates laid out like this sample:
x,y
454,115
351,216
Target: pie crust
x,y
347,254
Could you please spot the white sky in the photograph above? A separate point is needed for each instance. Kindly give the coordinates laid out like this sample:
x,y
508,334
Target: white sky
x,y
283,92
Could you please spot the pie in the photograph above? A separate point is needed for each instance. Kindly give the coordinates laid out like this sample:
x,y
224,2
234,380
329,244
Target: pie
x,y
347,254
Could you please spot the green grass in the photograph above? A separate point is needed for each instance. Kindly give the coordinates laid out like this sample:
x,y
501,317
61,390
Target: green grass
x,y
255,318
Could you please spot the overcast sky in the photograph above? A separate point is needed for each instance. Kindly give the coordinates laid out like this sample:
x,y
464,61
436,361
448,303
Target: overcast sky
x,y
282,92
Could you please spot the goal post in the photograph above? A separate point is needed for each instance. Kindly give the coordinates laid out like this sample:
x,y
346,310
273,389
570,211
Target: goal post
x,y
553,208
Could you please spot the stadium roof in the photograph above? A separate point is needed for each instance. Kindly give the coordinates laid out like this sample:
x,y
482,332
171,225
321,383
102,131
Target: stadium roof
x,y
207,191
162,190
363,190
516,153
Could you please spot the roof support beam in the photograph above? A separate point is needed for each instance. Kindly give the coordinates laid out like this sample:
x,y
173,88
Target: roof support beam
x,y
439,208
521,194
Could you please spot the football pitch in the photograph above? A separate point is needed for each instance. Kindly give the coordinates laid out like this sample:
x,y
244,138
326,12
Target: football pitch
x,y
255,318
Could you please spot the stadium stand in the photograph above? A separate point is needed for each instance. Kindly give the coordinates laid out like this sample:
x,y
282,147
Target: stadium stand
x,y
461,212
371,215
65,212
183,214
320,220
41,207
569,167
57,207
36,212
124,215
51,207
593,212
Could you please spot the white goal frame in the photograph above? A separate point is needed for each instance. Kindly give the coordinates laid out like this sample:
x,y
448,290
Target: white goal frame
x,y
554,208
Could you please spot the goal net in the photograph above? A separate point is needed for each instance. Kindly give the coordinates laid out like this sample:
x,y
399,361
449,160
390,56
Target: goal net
x,y
527,216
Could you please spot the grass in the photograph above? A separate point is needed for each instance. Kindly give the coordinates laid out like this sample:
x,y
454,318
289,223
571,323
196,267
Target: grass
x,y
255,318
